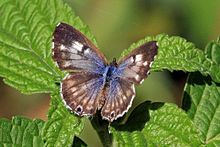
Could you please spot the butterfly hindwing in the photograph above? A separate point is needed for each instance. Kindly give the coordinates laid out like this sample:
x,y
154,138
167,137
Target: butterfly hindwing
x,y
119,98
136,65
81,92
72,51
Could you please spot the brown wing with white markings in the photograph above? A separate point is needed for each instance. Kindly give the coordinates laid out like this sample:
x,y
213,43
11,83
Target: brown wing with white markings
x,y
81,92
119,97
136,66
72,51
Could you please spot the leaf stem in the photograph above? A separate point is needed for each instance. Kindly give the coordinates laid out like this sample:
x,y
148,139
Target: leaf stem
x,y
101,127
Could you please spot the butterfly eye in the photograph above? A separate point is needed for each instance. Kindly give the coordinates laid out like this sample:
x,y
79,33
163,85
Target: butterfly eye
x,y
79,109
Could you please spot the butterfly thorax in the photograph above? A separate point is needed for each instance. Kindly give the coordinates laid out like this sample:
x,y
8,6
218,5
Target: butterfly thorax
x,y
109,71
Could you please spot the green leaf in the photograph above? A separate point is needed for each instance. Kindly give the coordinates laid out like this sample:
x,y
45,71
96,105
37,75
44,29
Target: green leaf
x,y
62,125
175,53
135,122
202,103
20,132
214,143
167,126
212,51
25,42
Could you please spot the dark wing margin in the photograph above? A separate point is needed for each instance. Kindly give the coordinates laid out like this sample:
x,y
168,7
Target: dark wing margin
x,y
120,95
81,92
136,65
72,51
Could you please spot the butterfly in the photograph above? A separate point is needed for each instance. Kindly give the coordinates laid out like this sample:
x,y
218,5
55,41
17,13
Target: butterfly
x,y
94,84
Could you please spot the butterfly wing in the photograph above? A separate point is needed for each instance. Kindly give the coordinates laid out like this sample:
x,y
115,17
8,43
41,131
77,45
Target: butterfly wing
x,y
72,51
119,97
132,69
136,66
82,92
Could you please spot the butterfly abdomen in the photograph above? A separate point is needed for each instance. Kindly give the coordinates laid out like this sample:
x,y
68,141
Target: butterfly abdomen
x,y
102,98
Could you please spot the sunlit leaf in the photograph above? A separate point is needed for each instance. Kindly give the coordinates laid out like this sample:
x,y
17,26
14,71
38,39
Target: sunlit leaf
x,y
212,51
168,125
62,125
21,131
201,101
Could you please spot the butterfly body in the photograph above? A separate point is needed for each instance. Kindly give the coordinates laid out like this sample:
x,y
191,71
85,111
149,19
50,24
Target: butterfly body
x,y
110,72
92,84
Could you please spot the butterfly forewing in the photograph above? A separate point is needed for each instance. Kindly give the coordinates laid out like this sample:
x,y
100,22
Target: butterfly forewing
x,y
81,92
136,65
72,51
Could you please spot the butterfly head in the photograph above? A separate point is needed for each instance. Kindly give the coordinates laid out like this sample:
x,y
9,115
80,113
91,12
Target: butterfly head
x,y
114,63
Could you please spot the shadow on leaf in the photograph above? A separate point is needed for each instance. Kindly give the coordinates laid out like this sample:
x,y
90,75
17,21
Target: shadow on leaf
x,y
139,117
194,79
77,142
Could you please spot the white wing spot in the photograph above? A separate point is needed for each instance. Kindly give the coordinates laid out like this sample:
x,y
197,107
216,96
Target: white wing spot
x,y
137,77
58,24
62,47
75,57
150,64
52,44
132,59
133,89
77,45
132,98
145,63
141,81
67,106
87,51
138,57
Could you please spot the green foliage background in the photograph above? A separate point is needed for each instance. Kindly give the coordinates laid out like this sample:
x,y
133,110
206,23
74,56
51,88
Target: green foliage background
x,y
25,63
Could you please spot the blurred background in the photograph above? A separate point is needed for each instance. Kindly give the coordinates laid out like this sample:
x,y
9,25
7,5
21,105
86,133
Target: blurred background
x,y
116,24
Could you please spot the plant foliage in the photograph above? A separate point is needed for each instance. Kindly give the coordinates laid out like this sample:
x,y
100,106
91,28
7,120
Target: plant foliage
x,y
160,125
21,131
